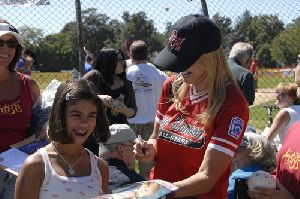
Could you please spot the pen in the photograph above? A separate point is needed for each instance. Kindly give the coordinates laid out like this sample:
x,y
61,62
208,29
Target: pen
x,y
140,140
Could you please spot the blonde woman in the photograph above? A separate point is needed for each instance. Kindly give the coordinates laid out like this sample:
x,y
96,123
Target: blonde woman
x,y
254,153
201,114
287,101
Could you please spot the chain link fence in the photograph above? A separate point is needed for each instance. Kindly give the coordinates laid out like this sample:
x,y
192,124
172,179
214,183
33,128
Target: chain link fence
x,y
272,27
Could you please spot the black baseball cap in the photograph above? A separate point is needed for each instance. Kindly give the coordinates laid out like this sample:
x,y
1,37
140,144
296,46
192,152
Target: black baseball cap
x,y
190,37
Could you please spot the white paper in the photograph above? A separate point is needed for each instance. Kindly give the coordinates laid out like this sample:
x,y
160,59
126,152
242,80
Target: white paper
x,y
12,159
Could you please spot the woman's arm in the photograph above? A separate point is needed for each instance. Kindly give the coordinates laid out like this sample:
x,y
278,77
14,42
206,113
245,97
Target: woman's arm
x,y
30,178
129,109
212,168
280,122
155,130
104,171
125,110
34,89
146,151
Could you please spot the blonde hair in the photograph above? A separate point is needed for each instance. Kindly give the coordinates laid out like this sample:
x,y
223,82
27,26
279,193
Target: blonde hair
x,y
261,151
290,89
217,78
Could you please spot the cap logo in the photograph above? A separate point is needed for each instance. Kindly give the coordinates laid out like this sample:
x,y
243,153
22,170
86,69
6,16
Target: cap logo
x,y
175,41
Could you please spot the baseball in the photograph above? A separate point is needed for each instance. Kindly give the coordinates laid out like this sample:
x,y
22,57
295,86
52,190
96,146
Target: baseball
x,y
261,179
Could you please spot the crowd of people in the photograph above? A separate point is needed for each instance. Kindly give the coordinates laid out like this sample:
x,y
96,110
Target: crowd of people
x,y
126,121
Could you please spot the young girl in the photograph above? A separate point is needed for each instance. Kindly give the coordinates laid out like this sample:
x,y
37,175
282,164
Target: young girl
x,y
64,168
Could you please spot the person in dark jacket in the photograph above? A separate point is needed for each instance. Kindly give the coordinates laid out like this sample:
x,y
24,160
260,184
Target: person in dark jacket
x,y
239,62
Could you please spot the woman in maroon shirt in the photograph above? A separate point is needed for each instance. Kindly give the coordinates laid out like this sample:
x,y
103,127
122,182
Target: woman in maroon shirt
x,y
18,93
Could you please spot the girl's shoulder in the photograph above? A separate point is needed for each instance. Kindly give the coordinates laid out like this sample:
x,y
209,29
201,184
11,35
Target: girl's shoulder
x,y
103,167
102,163
33,166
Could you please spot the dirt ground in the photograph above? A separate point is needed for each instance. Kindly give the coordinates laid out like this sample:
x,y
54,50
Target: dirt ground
x,y
264,95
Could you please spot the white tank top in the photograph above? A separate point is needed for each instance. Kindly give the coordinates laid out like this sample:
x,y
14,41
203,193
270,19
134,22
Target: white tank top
x,y
63,187
294,112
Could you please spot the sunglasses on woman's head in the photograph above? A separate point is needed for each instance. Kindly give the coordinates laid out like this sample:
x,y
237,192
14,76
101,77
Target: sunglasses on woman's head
x,y
9,43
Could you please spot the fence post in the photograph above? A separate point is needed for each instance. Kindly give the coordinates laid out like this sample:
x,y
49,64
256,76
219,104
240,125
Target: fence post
x,y
80,37
204,8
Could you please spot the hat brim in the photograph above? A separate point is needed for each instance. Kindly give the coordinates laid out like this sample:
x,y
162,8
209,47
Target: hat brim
x,y
168,61
16,35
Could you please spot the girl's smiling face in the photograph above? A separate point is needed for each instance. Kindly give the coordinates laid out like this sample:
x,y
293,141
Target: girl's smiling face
x,y
81,120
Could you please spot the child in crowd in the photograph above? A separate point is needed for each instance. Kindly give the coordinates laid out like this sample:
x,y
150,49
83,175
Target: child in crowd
x,y
64,168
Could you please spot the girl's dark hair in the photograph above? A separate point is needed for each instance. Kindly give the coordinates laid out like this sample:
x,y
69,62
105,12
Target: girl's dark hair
x,y
106,64
67,94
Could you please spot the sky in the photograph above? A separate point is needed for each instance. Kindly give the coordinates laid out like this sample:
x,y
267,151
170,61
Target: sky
x,y
51,18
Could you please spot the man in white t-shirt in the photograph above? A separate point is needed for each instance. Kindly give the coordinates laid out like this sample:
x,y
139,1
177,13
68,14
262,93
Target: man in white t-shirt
x,y
147,83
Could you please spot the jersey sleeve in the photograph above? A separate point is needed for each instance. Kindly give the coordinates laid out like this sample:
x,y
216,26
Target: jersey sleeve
x,y
230,124
165,100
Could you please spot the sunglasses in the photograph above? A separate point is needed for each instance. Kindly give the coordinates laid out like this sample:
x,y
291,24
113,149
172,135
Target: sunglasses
x,y
279,94
9,43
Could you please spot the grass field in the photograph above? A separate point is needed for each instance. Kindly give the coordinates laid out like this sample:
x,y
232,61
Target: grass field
x,y
272,82
44,78
258,114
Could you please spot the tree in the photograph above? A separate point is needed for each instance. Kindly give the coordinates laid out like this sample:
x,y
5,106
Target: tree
x,y
32,37
139,26
260,31
98,28
241,28
285,47
224,24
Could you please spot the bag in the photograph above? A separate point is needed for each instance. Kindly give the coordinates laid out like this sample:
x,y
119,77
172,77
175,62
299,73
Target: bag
x,y
240,189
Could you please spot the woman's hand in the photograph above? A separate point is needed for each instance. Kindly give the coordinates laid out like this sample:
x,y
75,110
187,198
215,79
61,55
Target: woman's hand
x,y
119,107
107,100
143,151
266,193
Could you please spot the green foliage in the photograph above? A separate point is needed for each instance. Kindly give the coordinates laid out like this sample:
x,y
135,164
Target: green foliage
x,y
60,50
140,27
260,33
32,37
285,47
224,24
241,28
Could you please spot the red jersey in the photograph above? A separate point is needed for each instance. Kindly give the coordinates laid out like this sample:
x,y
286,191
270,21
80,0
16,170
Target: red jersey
x,y
15,116
288,161
182,140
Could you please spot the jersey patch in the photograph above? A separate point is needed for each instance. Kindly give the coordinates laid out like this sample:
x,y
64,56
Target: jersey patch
x,y
236,127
